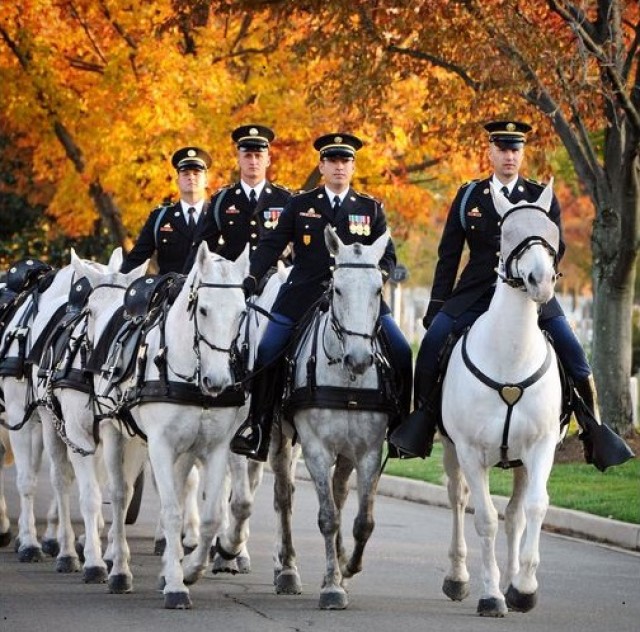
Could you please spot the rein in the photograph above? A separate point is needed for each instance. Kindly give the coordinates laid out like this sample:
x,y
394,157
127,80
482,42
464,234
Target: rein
x,y
509,393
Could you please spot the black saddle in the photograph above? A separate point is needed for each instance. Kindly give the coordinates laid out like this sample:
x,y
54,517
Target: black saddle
x,y
26,273
149,292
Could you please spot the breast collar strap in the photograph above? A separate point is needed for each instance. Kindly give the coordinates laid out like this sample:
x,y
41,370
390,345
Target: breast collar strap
x,y
509,393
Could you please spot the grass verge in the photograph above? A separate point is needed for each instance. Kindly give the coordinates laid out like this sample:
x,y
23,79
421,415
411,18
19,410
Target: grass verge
x,y
612,494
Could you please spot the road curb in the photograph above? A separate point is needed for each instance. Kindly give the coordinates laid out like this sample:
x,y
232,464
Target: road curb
x,y
565,521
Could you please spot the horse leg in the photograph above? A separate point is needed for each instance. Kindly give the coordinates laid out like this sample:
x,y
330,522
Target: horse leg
x,y
162,456
318,462
456,581
5,456
514,524
283,463
522,593
341,476
90,496
123,460
214,474
191,523
62,478
231,554
492,602
27,447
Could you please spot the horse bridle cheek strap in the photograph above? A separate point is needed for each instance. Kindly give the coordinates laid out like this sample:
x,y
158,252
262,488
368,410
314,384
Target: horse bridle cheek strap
x,y
509,393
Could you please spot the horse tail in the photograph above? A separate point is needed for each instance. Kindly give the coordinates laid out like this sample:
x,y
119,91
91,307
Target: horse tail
x,y
8,452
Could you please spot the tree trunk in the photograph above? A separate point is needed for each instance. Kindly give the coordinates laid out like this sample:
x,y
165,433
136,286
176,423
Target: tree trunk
x,y
615,243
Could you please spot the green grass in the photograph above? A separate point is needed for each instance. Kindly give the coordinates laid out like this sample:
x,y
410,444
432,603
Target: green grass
x,y
611,494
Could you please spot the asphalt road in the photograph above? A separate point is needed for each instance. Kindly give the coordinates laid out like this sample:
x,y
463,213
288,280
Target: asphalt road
x,y
583,586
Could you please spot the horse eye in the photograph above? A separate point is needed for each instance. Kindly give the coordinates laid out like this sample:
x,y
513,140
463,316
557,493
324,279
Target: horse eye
x,y
337,291
202,311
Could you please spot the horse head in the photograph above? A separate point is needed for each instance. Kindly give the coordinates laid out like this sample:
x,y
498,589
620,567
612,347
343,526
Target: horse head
x,y
355,300
203,323
112,283
529,244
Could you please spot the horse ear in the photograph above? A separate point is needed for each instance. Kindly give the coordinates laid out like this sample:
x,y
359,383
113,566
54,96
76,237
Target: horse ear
x,y
380,245
546,197
115,261
203,254
500,202
136,273
242,261
332,240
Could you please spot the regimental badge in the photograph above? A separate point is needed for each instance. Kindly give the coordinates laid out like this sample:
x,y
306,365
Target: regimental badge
x,y
306,239
360,225
167,228
271,217
232,210
474,212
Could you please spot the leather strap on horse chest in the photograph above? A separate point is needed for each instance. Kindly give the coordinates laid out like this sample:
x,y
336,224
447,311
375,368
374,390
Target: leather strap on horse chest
x,y
509,393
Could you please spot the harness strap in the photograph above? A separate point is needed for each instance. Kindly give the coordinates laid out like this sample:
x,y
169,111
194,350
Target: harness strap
x,y
509,393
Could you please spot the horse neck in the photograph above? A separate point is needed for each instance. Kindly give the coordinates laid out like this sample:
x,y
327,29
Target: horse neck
x,y
511,323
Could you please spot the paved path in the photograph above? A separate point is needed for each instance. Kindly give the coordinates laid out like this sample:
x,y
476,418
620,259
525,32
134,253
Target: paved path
x,y
584,587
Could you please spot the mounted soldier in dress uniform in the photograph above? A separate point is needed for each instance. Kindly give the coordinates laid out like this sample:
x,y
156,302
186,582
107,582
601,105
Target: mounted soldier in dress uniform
x,y
474,220
242,212
356,218
170,230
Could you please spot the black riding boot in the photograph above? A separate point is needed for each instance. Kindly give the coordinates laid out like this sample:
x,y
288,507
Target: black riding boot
x,y
602,446
253,437
403,383
414,437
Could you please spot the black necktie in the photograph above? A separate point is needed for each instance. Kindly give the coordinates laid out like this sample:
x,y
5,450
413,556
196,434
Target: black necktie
x,y
192,220
252,199
336,204
505,192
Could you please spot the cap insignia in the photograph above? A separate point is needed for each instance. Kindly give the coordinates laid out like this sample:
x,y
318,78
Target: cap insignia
x,y
191,153
511,127
253,131
338,139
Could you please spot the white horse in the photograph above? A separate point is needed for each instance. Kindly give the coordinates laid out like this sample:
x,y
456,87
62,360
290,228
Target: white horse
x,y
501,404
230,553
27,436
202,326
71,422
349,435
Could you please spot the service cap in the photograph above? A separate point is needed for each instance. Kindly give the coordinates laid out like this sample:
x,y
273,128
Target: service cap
x,y
337,145
508,133
191,158
253,137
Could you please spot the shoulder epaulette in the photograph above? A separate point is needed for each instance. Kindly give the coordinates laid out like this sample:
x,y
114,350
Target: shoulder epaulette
x,y
466,184
367,196
275,185
225,187
540,184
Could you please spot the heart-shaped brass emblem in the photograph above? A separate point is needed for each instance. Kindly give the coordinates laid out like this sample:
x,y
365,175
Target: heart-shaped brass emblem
x,y
511,394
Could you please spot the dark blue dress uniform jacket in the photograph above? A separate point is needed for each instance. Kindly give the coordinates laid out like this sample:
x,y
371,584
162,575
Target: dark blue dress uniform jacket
x,y
237,224
481,232
174,241
302,223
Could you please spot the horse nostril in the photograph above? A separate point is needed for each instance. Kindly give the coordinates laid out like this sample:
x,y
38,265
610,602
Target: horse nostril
x,y
347,359
532,279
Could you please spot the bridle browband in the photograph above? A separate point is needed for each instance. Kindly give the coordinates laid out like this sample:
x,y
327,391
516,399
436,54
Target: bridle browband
x,y
516,253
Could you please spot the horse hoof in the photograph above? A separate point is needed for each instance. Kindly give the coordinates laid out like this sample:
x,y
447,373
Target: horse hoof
x,y
30,554
244,564
288,583
220,565
177,601
67,564
520,602
5,538
51,547
120,584
94,575
79,550
455,590
159,546
492,607
333,600
191,577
